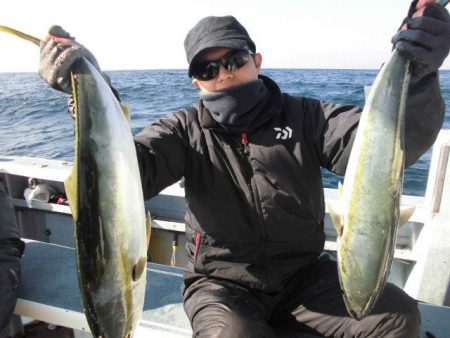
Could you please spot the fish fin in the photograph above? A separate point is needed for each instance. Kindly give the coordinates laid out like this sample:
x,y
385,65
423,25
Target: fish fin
x,y
139,268
148,224
336,216
126,112
71,182
70,186
405,214
340,189
20,34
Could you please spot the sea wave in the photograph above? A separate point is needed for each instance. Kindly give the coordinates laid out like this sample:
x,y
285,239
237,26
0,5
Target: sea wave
x,y
34,119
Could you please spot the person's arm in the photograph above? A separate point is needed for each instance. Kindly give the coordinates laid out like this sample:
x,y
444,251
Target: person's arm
x,y
162,149
425,111
424,38
58,52
337,125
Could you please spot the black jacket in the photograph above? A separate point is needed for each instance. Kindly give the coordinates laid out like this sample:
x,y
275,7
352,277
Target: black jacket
x,y
255,202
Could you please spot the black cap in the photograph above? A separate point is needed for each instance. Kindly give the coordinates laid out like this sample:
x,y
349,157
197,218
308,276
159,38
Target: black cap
x,y
215,31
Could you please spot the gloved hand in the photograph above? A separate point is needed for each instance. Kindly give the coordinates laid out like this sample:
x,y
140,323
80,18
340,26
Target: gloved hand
x,y
59,51
425,37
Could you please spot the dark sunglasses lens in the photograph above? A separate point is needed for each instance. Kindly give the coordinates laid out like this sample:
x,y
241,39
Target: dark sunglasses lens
x,y
236,60
206,71
232,61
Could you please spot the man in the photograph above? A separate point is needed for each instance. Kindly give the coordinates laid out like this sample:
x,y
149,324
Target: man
x,y
11,249
255,202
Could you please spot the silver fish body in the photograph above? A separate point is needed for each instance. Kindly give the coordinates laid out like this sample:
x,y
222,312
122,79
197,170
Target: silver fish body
x,y
106,199
367,214
105,196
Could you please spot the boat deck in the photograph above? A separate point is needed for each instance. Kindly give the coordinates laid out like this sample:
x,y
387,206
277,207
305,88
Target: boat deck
x,y
49,292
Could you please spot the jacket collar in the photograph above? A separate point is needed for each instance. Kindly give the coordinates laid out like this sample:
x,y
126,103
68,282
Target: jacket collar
x,y
273,108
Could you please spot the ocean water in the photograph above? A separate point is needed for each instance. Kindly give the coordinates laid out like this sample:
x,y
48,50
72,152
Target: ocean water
x,y
34,119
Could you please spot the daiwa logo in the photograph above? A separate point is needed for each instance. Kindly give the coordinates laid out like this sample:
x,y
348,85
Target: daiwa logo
x,y
283,133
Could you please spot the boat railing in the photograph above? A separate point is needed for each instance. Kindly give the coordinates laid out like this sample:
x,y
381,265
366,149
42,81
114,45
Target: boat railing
x,y
168,208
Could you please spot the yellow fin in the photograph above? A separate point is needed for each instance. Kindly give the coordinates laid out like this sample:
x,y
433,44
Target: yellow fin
x,y
71,183
148,223
70,186
336,216
405,214
340,189
20,34
139,268
126,112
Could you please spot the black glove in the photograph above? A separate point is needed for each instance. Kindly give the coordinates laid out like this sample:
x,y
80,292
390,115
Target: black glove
x,y
56,59
426,39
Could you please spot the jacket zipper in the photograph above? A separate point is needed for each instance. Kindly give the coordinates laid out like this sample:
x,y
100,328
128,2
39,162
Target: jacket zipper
x,y
254,191
244,142
198,237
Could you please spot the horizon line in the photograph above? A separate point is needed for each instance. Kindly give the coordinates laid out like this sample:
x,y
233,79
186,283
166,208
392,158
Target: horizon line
x,y
185,69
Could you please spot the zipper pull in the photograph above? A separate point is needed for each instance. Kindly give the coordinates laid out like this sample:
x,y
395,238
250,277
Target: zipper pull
x,y
244,142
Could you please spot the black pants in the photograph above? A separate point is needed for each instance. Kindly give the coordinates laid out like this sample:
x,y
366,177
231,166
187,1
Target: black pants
x,y
10,253
311,302
8,222
11,249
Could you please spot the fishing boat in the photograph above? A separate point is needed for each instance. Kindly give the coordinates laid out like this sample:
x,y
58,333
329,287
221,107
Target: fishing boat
x,y
49,290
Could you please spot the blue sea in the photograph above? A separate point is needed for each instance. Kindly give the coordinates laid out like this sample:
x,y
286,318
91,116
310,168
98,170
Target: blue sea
x,y
34,119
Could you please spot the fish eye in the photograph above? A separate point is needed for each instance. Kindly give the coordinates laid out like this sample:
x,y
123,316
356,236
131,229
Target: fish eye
x,y
139,268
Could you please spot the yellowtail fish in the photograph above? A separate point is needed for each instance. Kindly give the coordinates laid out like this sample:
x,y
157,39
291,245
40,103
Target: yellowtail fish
x,y
105,195
106,199
368,212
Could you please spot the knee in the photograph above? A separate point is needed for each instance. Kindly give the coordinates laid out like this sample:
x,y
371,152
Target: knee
x,y
395,315
11,249
9,284
406,323
400,324
399,314
222,322
248,326
225,310
10,255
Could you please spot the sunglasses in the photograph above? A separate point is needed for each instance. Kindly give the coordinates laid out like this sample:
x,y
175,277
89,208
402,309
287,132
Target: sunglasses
x,y
235,59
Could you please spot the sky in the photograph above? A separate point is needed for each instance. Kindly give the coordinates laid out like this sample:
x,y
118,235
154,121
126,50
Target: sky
x,y
146,34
